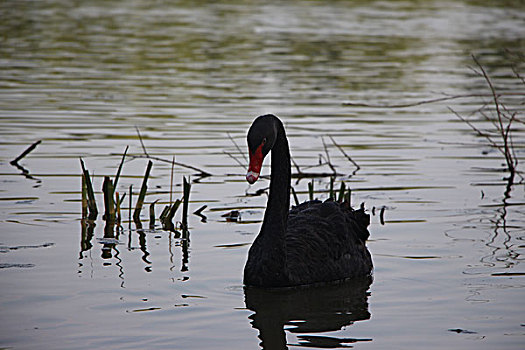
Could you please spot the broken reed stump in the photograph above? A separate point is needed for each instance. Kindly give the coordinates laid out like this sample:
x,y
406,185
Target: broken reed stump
x,y
142,194
152,215
311,190
109,203
166,217
341,192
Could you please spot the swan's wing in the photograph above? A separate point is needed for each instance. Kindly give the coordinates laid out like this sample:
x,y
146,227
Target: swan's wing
x,y
326,242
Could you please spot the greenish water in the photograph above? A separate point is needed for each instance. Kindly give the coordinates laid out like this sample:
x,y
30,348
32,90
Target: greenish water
x,y
80,76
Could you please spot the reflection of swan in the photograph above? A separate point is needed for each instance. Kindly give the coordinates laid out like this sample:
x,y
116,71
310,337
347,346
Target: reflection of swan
x,y
313,243
307,310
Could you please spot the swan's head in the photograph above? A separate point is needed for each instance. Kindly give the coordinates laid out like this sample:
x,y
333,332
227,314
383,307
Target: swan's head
x,y
261,138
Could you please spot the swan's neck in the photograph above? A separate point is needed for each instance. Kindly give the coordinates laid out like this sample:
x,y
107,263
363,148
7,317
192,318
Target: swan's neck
x,y
276,215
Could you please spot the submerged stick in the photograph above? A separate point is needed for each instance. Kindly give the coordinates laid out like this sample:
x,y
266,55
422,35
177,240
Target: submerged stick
x,y
332,187
142,194
26,152
311,190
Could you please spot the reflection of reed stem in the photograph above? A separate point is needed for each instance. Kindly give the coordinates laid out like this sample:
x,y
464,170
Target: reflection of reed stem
x,y
118,201
152,215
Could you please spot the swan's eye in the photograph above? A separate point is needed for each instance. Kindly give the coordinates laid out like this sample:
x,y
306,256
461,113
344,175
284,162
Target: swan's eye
x,y
264,141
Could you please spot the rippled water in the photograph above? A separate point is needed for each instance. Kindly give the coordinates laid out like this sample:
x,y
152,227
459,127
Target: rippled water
x,y
82,76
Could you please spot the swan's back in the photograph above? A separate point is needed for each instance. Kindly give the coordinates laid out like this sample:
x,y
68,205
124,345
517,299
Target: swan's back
x,y
325,241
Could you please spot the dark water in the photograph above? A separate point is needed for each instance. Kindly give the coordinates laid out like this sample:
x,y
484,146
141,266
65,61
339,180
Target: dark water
x,y
80,76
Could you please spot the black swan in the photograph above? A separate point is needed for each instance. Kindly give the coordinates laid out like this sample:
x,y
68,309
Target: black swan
x,y
315,242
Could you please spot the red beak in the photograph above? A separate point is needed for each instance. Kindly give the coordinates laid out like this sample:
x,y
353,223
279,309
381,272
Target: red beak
x,y
254,169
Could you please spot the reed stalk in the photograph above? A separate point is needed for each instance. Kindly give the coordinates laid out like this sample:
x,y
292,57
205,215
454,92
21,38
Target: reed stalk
x,y
84,198
166,218
109,204
186,201
142,194
117,177
332,178
91,202
341,192
152,215
130,202
296,200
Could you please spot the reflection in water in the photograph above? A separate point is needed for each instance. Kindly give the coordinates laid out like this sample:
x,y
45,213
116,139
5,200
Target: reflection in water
x,y
500,241
308,310
87,228
110,242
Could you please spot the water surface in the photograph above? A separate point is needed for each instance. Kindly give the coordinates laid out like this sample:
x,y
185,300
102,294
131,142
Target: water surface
x,y
81,76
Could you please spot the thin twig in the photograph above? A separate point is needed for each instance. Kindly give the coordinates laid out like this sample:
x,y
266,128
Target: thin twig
x,y
141,142
299,172
346,155
234,158
423,102
201,172
479,132
237,146
328,156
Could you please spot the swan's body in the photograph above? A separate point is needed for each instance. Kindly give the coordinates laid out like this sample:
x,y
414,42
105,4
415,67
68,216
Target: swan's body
x,y
315,242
